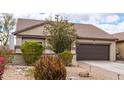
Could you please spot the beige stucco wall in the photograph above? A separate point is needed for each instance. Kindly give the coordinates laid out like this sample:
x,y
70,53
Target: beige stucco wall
x,y
18,41
120,47
33,40
39,31
111,43
34,31
113,51
18,50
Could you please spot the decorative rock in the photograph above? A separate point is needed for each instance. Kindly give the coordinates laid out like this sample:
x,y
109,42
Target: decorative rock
x,y
71,78
84,74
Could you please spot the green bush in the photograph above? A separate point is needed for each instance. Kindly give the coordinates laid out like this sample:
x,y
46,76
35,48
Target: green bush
x,y
49,68
66,57
31,51
61,34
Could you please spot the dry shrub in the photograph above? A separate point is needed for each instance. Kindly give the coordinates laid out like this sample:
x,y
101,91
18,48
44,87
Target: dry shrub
x,y
49,68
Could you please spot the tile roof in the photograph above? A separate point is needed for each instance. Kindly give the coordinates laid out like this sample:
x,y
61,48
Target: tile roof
x,y
83,30
91,31
120,36
23,24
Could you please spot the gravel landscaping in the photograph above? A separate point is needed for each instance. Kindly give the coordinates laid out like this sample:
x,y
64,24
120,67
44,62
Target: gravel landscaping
x,y
19,73
75,72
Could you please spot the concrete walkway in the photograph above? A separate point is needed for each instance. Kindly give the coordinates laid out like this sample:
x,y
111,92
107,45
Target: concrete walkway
x,y
110,66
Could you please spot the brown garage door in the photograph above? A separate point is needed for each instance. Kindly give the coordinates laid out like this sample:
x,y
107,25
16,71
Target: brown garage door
x,y
92,52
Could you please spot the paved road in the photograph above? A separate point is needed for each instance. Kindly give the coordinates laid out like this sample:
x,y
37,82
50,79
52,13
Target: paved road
x,y
111,66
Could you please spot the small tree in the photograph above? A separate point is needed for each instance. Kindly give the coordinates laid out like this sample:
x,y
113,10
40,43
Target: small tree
x,y
60,34
7,23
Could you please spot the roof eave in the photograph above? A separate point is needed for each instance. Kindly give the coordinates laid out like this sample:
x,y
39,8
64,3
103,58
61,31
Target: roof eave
x,y
19,31
110,39
120,41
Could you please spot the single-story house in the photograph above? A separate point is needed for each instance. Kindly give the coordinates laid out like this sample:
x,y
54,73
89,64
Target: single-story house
x,y
120,45
92,42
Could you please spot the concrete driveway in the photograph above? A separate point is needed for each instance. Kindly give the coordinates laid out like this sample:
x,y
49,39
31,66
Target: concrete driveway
x,y
110,66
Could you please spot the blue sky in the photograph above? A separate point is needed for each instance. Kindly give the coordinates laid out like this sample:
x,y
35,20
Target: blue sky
x,y
110,22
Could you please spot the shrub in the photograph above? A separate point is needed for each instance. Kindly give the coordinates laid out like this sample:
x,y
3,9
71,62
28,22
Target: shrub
x,y
66,57
29,73
49,68
31,51
6,56
2,60
6,53
61,34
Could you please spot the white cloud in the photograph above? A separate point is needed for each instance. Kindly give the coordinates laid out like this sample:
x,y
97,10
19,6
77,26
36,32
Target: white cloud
x,y
39,16
112,28
112,18
104,21
92,18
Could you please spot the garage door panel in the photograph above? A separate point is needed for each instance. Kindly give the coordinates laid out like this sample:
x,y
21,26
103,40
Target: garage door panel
x,y
92,52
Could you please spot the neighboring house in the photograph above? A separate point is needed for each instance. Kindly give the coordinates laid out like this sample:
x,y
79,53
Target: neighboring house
x,y
92,42
120,45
